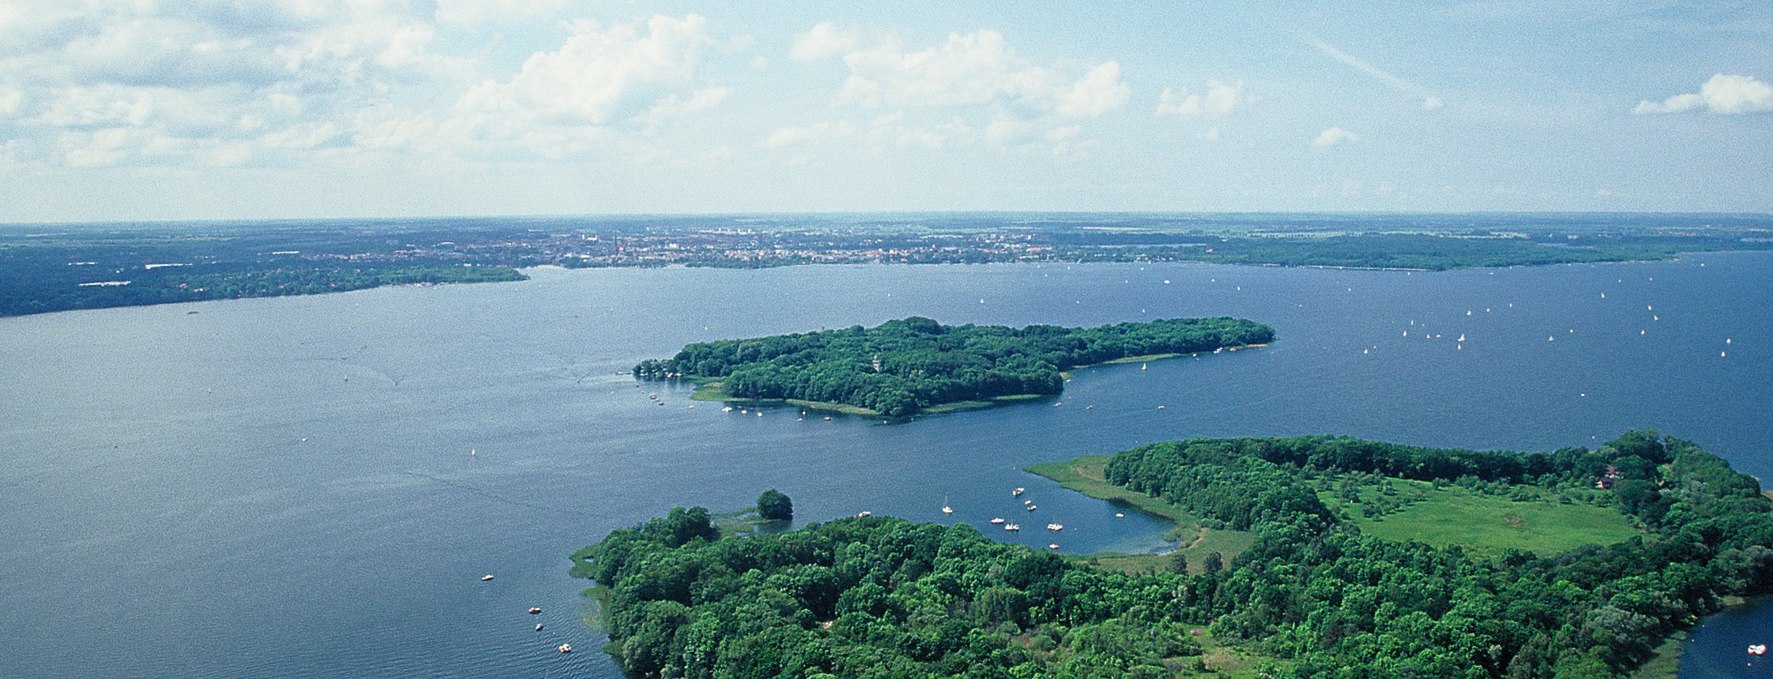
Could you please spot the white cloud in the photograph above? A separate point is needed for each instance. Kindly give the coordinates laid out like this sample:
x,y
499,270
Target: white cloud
x,y
891,130
823,41
672,107
481,12
1723,93
799,134
604,83
600,73
1333,136
1098,92
973,69
1674,104
143,83
1219,101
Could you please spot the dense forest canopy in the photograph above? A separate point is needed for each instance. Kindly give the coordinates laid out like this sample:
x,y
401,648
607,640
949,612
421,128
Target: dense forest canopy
x,y
903,366
883,597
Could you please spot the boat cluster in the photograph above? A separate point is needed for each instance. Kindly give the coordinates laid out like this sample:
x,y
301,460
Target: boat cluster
x,y
535,610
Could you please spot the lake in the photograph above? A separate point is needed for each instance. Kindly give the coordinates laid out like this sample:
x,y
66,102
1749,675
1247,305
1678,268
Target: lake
x,y
313,486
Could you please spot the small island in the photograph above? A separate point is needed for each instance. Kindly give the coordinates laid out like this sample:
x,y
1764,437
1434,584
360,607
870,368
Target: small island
x,y
1575,563
917,365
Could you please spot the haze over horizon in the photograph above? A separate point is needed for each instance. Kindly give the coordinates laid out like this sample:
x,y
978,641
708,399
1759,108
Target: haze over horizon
x,y
320,108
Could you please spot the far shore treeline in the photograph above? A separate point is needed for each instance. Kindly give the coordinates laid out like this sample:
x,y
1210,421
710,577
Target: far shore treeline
x,y
905,366
1314,596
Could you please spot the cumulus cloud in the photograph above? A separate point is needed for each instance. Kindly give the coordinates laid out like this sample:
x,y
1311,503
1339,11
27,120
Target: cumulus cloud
x,y
579,98
600,73
1333,136
1098,92
977,68
799,134
1724,94
823,41
673,107
1219,100
94,83
481,12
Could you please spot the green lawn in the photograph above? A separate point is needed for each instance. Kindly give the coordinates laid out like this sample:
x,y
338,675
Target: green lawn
x,y
1487,524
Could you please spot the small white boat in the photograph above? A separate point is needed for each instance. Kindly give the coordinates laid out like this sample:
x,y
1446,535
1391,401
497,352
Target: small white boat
x,y
727,409
538,627
1025,503
485,578
864,514
564,648
1012,527
1053,546
1119,515
1033,507
1018,491
533,610
1055,527
996,520
945,508
1143,366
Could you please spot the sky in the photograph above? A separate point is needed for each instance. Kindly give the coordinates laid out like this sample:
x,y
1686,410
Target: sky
x,y
245,109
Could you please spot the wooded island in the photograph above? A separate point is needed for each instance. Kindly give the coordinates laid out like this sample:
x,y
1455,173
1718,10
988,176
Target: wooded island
x,y
915,364
1314,595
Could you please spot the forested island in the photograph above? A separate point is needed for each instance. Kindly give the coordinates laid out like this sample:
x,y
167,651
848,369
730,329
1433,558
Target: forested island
x,y
1315,594
57,267
913,365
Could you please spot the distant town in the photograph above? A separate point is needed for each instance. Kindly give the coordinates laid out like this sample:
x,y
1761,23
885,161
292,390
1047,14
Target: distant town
x,y
46,268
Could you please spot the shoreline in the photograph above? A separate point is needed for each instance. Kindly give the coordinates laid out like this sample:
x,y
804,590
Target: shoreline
x,y
709,390
1187,534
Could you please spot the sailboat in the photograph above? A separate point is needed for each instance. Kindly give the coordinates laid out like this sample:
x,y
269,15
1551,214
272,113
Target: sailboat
x,y
945,508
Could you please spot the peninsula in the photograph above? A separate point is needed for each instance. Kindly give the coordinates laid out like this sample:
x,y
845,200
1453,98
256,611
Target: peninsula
x,y
916,364
1663,533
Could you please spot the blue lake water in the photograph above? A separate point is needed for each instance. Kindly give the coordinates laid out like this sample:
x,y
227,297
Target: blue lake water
x,y
284,487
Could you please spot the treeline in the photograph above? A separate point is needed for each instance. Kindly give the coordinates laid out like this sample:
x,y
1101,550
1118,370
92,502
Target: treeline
x,y
903,366
872,597
1325,596
882,597
232,281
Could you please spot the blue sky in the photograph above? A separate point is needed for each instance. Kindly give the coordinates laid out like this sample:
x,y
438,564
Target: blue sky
x,y
315,108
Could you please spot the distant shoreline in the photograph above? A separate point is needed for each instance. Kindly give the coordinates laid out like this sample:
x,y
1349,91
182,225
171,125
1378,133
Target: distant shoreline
x,y
67,267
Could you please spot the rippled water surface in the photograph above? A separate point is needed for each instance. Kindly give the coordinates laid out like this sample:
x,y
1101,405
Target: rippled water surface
x,y
284,487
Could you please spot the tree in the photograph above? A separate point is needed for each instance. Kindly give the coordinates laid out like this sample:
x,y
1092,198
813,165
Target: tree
x,y
1179,562
1214,562
775,506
